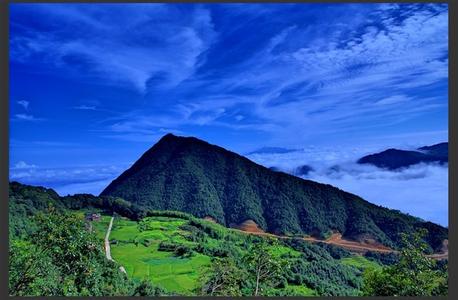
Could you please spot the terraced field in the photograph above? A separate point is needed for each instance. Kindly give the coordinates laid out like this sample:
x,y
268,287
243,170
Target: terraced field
x,y
360,262
145,250
136,246
138,251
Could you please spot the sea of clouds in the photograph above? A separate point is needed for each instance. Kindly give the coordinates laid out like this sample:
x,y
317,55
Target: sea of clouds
x,y
69,180
420,190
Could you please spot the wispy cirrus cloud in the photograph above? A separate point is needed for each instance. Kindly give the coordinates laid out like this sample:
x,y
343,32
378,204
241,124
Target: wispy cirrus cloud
x,y
380,68
26,117
23,165
24,104
117,43
331,75
85,107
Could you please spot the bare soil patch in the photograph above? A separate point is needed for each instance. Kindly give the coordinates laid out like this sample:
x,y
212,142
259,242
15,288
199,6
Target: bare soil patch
x,y
210,219
249,226
368,244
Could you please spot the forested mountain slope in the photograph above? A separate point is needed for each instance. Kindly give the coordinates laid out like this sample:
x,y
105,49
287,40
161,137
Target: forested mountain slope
x,y
190,175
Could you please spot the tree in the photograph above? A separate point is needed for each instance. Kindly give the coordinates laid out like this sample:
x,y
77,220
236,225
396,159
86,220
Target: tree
x,y
223,278
145,288
263,266
414,275
31,273
61,258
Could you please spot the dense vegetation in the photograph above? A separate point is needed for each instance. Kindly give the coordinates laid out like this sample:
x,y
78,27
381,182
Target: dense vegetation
x,y
414,275
190,175
52,252
393,159
190,256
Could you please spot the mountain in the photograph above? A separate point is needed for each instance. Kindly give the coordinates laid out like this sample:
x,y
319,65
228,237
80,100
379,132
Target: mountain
x,y
190,175
438,150
303,170
275,169
272,150
393,159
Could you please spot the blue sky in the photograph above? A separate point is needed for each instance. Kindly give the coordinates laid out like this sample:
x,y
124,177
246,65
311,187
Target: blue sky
x,y
93,86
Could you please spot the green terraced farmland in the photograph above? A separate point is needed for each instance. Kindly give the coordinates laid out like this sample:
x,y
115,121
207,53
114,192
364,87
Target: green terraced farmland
x,y
300,290
360,262
175,274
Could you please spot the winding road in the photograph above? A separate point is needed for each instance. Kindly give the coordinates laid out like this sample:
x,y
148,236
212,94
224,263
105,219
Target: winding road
x,y
107,245
249,227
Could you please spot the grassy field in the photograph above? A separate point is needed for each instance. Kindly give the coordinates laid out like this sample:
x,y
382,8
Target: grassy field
x,y
300,290
136,247
175,274
359,262
100,227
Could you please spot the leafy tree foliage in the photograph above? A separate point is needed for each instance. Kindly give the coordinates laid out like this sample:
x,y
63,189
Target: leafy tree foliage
x,y
382,258
65,260
264,269
224,278
146,289
414,275
61,258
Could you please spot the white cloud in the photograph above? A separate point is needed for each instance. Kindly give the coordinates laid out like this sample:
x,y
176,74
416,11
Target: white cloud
x,y
26,117
353,77
66,179
24,104
393,100
85,107
352,82
94,188
132,48
420,190
23,165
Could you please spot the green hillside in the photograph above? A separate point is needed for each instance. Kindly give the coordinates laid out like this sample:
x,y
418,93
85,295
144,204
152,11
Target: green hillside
x,y
54,251
175,251
190,175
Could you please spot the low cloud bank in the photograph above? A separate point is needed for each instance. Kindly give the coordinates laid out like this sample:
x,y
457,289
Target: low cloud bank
x,y
420,190
67,180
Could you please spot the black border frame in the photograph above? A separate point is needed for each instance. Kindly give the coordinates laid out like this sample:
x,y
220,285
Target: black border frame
x,y
452,131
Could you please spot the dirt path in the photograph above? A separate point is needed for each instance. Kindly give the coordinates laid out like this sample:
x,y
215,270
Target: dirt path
x,y
107,240
336,239
107,245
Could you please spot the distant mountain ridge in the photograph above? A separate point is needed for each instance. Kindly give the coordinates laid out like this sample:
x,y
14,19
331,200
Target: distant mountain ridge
x,y
272,150
394,159
439,150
